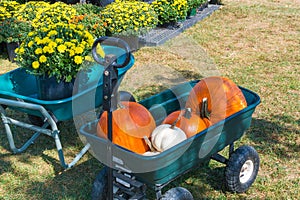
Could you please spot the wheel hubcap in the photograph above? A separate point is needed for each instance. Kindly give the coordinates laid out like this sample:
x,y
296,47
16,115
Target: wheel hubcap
x,y
246,171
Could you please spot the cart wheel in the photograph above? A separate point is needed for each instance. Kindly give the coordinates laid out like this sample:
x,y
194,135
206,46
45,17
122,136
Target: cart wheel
x,y
126,96
99,190
177,193
242,169
35,120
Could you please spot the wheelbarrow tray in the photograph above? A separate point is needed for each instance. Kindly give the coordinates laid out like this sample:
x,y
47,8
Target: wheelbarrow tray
x,y
21,86
166,166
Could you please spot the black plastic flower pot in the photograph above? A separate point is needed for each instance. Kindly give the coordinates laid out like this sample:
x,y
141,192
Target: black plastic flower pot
x,y
11,47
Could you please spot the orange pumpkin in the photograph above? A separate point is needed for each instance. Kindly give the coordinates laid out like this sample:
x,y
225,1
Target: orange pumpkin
x,y
190,126
224,98
129,125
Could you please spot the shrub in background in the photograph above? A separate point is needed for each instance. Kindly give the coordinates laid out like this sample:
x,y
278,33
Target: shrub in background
x,y
54,13
14,30
129,18
169,11
29,10
92,22
87,8
89,15
7,9
194,3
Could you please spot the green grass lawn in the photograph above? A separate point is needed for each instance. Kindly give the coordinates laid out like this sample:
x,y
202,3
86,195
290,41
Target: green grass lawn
x,y
256,44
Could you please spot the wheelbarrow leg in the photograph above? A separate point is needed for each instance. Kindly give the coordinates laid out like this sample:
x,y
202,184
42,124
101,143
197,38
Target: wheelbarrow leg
x,y
11,141
45,129
61,153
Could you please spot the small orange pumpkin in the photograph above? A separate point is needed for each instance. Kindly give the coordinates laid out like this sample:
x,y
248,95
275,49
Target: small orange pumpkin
x,y
191,126
130,124
224,98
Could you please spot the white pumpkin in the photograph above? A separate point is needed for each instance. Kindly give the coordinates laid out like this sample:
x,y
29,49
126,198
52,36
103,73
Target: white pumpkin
x,y
150,153
166,136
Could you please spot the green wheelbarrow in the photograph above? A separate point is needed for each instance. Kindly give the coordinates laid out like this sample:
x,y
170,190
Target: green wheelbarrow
x,y
18,91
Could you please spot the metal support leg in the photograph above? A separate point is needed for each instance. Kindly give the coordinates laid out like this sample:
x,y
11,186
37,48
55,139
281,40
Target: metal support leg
x,y
61,154
6,121
52,131
219,158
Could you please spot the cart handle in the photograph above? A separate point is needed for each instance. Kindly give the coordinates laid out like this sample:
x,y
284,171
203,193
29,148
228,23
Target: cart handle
x,y
107,60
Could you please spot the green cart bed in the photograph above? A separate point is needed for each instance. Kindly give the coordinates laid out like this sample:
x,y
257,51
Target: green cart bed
x,y
158,170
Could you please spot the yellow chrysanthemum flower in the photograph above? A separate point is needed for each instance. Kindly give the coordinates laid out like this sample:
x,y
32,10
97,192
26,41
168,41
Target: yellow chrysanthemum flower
x,y
52,32
38,51
30,44
69,44
78,60
30,34
59,40
50,49
21,50
43,59
35,65
71,53
61,48
52,44
78,50
80,26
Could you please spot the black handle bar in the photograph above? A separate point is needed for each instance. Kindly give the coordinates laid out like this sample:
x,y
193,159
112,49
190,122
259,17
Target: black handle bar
x,y
114,42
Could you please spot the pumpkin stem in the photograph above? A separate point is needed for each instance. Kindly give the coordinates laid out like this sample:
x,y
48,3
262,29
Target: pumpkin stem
x,y
175,122
149,143
120,105
204,113
180,115
188,113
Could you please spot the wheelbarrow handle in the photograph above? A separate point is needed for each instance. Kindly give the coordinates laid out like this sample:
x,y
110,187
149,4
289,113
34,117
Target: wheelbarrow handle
x,y
108,60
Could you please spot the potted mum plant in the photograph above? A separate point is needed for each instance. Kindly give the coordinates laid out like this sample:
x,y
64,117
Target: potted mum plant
x,y
55,54
170,11
28,11
192,7
13,31
7,8
86,8
92,22
54,13
89,15
128,20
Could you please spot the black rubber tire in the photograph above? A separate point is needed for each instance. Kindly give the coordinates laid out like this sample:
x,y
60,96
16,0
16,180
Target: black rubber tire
x,y
177,193
100,185
126,96
242,168
35,120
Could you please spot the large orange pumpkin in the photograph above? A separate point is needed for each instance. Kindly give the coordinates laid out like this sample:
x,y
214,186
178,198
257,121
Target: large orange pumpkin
x,y
224,98
191,126
130,124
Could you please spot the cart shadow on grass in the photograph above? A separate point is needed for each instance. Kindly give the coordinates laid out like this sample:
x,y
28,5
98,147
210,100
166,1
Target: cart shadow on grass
x,y
267,135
